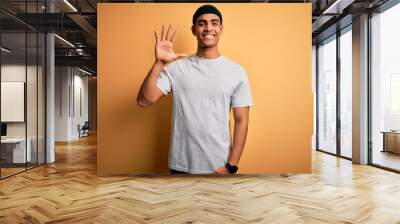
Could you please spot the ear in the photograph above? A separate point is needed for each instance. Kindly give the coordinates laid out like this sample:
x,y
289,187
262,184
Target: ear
x,y
193,30
222,28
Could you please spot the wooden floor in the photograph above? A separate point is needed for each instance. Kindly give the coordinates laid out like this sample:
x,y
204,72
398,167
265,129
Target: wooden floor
x,y
70,192
5,172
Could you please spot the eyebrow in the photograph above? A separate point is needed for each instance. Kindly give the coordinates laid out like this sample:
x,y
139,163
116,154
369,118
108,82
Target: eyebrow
x,y
203,20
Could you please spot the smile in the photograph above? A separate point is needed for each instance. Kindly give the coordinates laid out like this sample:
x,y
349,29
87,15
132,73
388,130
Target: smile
x,y
208,36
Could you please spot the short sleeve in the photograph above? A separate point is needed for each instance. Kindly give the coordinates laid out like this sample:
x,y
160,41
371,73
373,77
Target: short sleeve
x,y
242,96
164,81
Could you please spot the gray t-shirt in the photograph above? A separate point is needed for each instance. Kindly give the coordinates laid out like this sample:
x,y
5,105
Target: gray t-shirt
x,y
204,91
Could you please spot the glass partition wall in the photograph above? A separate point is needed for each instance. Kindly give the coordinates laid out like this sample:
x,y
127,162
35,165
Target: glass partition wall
x,y
334,93
22,88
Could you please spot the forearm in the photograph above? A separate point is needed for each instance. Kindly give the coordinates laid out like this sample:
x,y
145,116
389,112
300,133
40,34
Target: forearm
x,y
147,91
239,140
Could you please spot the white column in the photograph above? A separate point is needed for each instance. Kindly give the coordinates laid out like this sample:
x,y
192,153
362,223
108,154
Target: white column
x,y
50,100
360,90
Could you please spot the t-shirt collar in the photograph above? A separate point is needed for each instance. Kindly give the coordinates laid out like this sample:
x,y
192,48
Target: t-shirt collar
x,y
207,59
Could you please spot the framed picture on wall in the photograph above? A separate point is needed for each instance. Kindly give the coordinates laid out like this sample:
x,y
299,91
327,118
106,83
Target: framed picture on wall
x,y
12,101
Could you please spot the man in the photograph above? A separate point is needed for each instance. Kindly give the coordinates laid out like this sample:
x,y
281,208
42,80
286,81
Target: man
x,y
205,87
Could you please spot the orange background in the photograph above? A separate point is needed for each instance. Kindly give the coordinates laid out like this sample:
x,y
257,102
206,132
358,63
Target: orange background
x,y
271,41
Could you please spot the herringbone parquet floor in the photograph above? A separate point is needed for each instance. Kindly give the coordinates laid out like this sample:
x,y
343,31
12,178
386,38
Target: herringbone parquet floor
x,y
70,192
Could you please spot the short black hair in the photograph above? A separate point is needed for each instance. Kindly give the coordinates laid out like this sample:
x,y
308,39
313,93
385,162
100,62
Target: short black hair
x,y
206,9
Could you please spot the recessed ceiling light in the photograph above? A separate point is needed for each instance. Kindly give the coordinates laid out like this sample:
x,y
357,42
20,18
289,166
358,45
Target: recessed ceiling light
x,y
338,6
71,6
84,71
64,40
5,50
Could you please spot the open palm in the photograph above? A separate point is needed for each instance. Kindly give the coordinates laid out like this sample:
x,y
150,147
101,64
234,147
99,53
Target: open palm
x,y
164,46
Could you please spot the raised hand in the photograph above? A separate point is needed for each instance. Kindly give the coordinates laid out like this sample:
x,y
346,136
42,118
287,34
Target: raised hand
x,y
164,46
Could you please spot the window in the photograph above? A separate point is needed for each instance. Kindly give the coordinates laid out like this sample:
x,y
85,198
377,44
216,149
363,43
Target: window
x,y
385,88
346,93
327,96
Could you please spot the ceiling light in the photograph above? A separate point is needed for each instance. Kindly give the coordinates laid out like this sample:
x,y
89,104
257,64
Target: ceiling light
x,y
64,40
5,50
70,5
337,7
84,71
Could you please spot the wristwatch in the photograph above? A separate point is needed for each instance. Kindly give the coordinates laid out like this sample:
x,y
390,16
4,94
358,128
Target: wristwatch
x,y
231,168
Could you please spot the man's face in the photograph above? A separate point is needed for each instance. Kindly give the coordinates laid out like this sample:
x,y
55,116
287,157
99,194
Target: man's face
x,y
207,29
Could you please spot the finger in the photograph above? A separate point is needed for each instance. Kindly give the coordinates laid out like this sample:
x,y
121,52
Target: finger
x,y
162,33
156,36
173,35
167,35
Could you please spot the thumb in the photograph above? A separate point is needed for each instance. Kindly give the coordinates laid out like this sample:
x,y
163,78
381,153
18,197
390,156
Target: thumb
x,y
181,55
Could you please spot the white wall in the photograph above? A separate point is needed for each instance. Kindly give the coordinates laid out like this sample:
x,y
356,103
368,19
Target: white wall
x,y
71,87
62,78
80,89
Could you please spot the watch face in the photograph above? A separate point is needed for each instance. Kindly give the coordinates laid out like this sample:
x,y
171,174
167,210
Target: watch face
x,y
231,169
234,169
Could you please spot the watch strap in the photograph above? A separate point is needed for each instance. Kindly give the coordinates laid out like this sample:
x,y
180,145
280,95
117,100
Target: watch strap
x,y
231,168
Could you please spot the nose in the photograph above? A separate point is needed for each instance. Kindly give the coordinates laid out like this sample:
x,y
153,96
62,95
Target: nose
x,y
208,27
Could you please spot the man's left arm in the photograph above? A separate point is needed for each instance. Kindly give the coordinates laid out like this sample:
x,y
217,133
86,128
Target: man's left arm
x,y
241,117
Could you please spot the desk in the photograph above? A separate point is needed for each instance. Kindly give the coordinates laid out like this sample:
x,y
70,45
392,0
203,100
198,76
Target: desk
x,y
391,141
13,150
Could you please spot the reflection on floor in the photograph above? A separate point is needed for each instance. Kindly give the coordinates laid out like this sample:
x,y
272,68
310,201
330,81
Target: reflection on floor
x,y
387,159
10,171
69,191
13,169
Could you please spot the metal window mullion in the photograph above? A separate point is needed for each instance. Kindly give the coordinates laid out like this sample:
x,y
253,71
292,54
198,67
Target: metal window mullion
x,y
317,97
369,89
45,95
26,87
37,91
338,98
